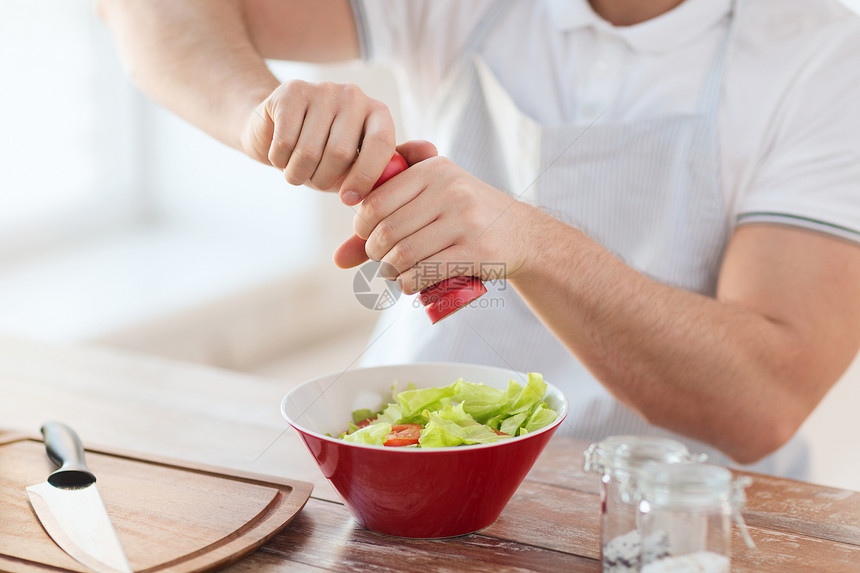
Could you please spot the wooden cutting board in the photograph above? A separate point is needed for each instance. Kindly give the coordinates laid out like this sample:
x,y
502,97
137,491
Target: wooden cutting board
x,y
169,515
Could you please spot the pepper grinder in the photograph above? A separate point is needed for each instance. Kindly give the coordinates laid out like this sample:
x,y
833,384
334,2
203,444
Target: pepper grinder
x,y
450,295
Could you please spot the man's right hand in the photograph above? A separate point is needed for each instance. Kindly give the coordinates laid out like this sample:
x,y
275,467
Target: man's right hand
x,y
327,136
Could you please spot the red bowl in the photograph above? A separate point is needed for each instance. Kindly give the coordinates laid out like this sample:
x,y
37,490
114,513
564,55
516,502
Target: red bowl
x,y
413,492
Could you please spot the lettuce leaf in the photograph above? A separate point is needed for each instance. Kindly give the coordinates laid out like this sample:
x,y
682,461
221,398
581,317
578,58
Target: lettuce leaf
x,y
413,403
361,415
525,398
372,434
481,402
542,416
511,424
392,414
452,426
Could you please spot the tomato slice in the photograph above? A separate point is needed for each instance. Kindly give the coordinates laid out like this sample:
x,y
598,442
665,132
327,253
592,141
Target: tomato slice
x,y
366,422
403,435
499,433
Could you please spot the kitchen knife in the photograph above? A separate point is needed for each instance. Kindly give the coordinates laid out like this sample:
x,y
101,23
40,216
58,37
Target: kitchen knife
x,y
70,508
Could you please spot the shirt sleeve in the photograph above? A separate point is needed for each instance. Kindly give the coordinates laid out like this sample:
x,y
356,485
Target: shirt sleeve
x,y
415,31
810,175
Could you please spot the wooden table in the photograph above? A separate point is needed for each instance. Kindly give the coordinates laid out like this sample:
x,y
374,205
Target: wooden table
x,y
198,414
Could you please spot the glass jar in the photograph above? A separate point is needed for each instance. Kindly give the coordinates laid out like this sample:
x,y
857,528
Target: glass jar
x,y
685,515
618,460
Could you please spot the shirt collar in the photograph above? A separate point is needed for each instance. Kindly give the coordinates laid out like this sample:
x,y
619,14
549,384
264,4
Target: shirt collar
x,y
681,25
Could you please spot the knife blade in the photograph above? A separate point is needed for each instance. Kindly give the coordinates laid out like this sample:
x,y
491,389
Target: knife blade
x,y
69,506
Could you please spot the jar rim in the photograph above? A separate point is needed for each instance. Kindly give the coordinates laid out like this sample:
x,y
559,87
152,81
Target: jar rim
x,y
632,453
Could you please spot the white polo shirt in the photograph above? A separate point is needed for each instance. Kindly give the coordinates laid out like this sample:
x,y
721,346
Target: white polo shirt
x,y
790,112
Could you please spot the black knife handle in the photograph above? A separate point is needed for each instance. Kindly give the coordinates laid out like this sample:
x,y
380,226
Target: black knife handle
x,y
65,449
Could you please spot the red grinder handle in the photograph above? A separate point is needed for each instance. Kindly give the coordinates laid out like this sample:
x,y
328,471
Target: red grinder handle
x,y
449,295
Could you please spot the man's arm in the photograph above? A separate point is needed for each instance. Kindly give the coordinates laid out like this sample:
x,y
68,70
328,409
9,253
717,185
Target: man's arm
x,y
740,371
204,60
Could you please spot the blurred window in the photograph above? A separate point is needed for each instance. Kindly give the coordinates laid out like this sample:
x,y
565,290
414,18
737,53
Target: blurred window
x,y
66,151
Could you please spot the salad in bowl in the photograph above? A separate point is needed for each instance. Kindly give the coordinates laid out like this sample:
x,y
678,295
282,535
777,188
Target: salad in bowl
x,y
425,450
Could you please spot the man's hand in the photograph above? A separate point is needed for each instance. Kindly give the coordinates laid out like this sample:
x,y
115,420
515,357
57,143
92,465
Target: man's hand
x,y
323,135
436,216
352,252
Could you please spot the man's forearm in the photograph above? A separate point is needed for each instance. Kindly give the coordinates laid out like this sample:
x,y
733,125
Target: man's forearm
x,y
194,57
737,373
